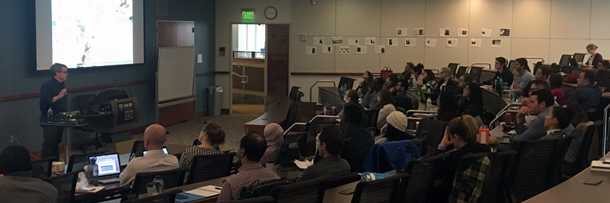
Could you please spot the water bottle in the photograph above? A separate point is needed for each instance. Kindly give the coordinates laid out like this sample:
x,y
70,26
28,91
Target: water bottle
x,y
499,85
484,134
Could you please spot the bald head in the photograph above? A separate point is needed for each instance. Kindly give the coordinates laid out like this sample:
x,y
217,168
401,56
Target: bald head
x,y
154,137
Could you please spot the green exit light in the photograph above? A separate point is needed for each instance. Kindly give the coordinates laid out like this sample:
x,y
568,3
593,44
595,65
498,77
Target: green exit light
x,y
247,15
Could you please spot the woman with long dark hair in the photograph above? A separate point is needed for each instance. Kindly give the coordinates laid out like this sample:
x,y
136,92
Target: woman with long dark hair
x,y
386,106
471,102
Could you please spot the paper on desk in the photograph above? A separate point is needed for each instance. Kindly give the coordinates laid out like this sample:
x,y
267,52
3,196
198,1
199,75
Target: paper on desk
x,y
206,191
303,164
89,189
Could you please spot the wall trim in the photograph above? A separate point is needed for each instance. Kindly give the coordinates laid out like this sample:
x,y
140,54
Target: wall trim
x,y
33,95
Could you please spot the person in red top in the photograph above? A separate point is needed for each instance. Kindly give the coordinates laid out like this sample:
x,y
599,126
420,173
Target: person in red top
x,y
556,82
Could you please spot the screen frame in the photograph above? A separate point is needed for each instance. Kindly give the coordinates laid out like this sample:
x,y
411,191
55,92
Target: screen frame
x,y
90,68
106,154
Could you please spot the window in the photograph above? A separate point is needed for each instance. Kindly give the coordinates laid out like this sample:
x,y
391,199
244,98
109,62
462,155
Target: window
x,y
251,38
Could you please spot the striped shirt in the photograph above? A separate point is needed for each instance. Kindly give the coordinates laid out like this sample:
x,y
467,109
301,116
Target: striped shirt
x,y
187,156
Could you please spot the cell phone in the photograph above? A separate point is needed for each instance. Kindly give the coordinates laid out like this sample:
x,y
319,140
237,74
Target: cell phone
x,y
593,181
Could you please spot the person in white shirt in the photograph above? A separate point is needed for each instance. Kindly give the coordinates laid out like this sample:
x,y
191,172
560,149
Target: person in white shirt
x,y
16,182
154,160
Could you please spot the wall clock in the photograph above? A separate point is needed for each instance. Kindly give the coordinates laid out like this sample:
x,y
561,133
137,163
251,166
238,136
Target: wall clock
x,y
271,13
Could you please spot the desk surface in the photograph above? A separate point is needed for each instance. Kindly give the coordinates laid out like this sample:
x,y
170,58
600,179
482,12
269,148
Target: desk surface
x,y
573,190
115,189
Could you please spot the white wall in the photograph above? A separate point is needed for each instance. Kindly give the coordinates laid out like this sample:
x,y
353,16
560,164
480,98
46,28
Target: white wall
x,y
540,28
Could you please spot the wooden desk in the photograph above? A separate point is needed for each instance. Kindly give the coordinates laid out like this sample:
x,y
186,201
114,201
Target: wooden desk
x,y
111,191
573,190
275,111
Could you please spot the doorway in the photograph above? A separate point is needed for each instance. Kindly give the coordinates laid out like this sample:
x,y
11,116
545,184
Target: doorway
x,y
175,71
248,67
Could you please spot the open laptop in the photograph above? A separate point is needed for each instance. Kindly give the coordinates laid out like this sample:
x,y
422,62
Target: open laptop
x,y
107,168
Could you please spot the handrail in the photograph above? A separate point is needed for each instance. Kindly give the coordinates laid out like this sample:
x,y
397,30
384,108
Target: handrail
x,y
500,114
321,117
605,144
244,78
539,59
252,54
315,83
292,126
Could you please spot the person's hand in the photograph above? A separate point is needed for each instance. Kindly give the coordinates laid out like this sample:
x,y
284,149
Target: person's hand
x,y
62,93
445,142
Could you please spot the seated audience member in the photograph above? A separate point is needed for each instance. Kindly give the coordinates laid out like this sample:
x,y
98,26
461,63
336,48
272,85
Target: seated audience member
x,y
251,150
596,59
154,160
358,140
274,136
540,104
557,123
366,85
603,77
586,97
448,97
556,82
400,97
581,123
473,125
395,130
458,142
371,99
427,85
331,164
503,72
16,181
351,97
521,76
533,86
386,106
210,137
408,74
471,102
542,73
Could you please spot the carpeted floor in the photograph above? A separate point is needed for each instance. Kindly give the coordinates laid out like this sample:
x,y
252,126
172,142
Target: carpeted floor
x,y
185,133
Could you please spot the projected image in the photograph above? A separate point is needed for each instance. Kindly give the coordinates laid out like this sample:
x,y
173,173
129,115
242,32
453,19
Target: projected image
x,y
89,33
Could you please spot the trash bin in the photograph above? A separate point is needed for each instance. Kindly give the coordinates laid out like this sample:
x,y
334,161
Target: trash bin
x,y
215,98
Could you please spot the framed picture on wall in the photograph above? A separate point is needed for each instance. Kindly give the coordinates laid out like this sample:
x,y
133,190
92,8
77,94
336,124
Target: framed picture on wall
x,y
445,32
410,42
496,43
430,43
463,32
452,42
311,50
504,32
371,41
485,32
475,42
420,31
327,50
402,32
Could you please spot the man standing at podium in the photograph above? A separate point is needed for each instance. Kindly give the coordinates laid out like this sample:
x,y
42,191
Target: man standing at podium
x,y
53,100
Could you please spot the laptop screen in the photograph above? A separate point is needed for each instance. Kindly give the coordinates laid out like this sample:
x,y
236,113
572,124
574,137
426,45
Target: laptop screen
x,y
106,164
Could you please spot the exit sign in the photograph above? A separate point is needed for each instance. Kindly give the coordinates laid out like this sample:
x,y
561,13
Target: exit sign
x,y
247,15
